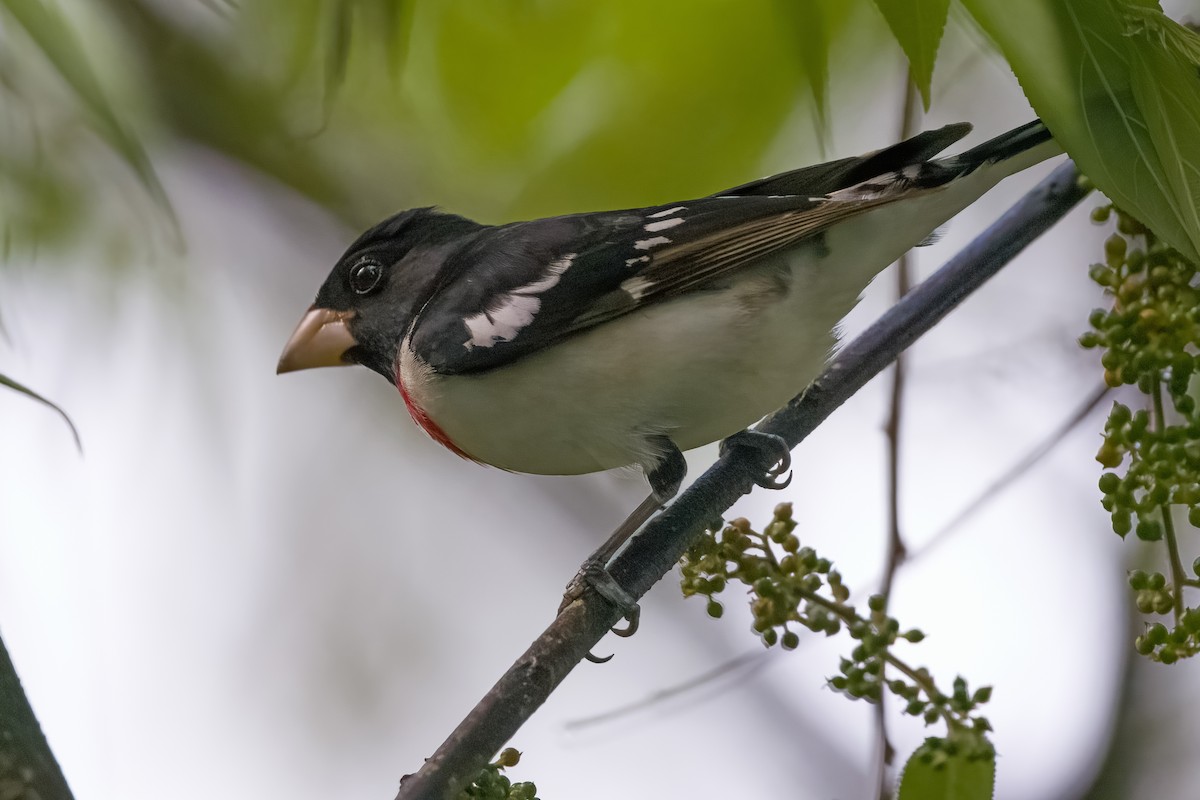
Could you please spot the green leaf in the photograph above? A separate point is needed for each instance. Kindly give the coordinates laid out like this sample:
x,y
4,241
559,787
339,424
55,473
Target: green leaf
x,y
938,775
917,26
1167,89
25,390
809,23
1117,83
50,32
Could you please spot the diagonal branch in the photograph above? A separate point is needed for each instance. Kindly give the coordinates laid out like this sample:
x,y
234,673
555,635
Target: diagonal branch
x,y
527,684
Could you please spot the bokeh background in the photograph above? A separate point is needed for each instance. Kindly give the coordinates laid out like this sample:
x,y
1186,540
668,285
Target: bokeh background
x,y
251,586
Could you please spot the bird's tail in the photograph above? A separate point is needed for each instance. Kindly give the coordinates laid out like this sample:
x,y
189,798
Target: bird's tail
x,y
1014,151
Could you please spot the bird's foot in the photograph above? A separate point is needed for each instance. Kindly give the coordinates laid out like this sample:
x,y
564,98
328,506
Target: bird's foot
x,y
594,575
770,445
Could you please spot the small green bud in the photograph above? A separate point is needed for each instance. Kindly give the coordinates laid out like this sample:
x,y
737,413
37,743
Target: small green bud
x,y
1114,250
790,641
1109,456
1149,530
1163,603
1136,260
715,609
509,757
1102,274
1128,225
1145,601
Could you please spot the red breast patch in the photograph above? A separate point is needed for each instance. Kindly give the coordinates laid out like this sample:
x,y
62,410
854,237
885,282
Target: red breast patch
x,y
425,423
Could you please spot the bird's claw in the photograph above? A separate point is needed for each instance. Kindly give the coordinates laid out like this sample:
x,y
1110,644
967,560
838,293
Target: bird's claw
x,y
595,575
771,445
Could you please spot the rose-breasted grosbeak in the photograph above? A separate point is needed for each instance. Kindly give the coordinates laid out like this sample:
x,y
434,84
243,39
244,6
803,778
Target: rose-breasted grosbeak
x,y
583,342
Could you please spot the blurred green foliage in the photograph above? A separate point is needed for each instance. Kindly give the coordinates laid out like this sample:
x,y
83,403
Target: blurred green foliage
x,y
499,110
515,109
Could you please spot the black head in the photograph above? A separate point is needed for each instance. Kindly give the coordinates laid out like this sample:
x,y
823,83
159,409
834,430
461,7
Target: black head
x,y
367,303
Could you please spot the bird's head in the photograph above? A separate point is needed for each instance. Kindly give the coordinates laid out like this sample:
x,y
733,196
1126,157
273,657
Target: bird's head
x,y
366,305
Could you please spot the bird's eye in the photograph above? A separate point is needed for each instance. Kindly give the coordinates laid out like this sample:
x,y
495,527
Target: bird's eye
x,y
365,275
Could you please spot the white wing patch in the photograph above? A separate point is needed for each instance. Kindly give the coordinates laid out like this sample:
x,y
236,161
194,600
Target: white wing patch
x,y
663,224
653,241
513,310
667,213
629,262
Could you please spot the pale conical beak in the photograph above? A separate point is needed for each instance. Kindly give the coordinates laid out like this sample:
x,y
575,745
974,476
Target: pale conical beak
x,y
320,340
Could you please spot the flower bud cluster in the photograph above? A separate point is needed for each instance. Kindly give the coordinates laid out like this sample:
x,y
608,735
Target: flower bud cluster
x,y
491,784
1150,338
791,585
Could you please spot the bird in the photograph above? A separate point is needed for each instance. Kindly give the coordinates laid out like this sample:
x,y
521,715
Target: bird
x,y
587,341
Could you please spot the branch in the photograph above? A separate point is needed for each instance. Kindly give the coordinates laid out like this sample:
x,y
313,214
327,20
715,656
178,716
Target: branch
x,y
895,552
27,766
651,554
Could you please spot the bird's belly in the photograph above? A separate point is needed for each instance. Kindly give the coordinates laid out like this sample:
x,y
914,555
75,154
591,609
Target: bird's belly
x,y
695,370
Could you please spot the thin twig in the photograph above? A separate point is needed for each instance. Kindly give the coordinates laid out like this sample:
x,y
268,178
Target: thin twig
x,y
739,667
894,552
527,684
1178,576
1017,470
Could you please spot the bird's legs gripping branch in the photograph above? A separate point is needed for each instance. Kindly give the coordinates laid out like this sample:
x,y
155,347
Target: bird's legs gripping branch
x,y
770,445
665,480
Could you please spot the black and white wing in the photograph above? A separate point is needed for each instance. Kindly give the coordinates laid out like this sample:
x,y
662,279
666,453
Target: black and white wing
x,y
517,288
